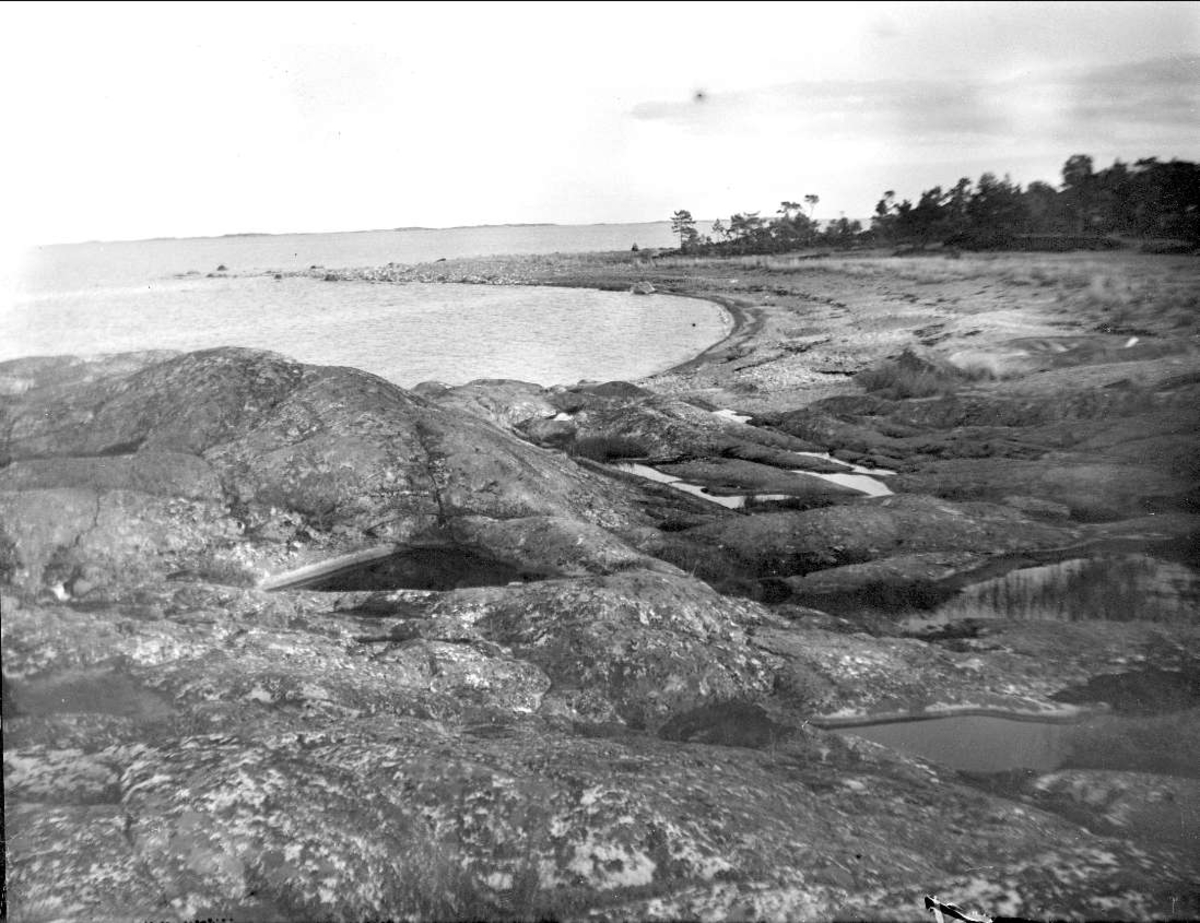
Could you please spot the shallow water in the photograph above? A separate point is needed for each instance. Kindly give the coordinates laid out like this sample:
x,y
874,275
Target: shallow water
x,y
405,333
864,480
850,466
976,743
653,474
432,567
733,416
859,482
987,743
730,501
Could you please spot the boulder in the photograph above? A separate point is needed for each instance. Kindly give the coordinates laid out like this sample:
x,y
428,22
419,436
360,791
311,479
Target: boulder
x,y
502,402
892,583
633,648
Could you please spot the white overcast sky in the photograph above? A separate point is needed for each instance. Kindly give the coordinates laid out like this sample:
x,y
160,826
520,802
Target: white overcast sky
x,y
173,119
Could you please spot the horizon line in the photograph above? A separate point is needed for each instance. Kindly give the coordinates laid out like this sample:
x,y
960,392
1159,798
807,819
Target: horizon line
x,y
401,229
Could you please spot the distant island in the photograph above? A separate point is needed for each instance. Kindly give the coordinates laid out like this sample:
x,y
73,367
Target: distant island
x,y
467,227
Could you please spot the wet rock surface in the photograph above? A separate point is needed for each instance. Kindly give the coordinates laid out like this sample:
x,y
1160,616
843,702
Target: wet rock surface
x,y
553,689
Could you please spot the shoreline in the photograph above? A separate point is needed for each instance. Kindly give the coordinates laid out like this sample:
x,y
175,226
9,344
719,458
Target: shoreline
x,y
1068,714
652,354
574,271
745,322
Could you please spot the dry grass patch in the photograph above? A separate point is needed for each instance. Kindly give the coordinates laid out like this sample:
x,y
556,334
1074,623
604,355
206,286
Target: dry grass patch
x,y
911,376
607,448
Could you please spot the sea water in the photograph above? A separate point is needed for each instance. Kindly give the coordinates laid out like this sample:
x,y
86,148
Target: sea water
x,y
165,294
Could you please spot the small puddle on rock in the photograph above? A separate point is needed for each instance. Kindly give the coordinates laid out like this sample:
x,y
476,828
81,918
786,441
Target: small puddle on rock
x,y
86,691
733,416
427,567
859,482
653,474
865,480
975,743
1137,735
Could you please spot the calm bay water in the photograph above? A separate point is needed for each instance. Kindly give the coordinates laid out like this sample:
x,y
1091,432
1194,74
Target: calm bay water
x,y
110,297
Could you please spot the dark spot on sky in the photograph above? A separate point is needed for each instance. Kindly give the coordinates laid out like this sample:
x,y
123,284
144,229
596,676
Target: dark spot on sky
x,y
699,96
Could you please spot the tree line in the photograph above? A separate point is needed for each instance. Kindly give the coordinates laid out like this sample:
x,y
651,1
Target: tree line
x,y
791,228
1148,199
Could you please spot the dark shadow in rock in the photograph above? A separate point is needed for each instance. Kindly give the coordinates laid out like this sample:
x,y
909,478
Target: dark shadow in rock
x,y
1141,692
382,605
952,634
434,567
727,724
881,596
613,730
772,591
121,448
1182,549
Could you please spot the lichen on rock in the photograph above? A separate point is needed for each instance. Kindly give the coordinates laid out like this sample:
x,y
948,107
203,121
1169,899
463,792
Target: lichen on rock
x,y
585,715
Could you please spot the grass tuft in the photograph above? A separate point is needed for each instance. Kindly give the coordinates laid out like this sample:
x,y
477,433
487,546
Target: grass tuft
x,y
607,448
910,376
1111,588
760,504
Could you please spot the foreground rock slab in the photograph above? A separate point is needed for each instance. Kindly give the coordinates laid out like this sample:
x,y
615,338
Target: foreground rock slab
x,y
567,722
243,756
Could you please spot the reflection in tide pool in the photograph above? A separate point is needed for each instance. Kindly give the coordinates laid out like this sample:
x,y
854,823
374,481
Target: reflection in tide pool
x,y
859,482
856,477
992,743
653,474
976,743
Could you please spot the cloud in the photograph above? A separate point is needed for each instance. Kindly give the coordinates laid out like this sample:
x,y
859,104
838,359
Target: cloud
x,y
1141,102
1162,92
838,110
884,28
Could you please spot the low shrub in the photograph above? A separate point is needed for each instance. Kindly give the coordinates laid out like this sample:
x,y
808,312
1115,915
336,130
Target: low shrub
x,y
607,447
911,376
756,503
1110,588
1169,247
211,567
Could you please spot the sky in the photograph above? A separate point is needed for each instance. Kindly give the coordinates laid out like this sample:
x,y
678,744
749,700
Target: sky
x,y
127,121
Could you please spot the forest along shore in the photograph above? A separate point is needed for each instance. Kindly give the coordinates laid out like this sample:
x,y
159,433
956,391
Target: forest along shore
x,y
478,594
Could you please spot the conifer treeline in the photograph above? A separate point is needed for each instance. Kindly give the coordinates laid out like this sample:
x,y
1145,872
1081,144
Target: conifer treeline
x,y
1149,199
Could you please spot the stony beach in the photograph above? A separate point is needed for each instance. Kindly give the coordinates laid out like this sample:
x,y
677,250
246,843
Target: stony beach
x,y
536,684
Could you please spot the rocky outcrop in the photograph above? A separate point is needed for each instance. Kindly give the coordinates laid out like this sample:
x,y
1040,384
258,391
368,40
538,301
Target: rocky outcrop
x,y
1096,441
504,403
792,544
665,429
218,751
537,703
246,452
